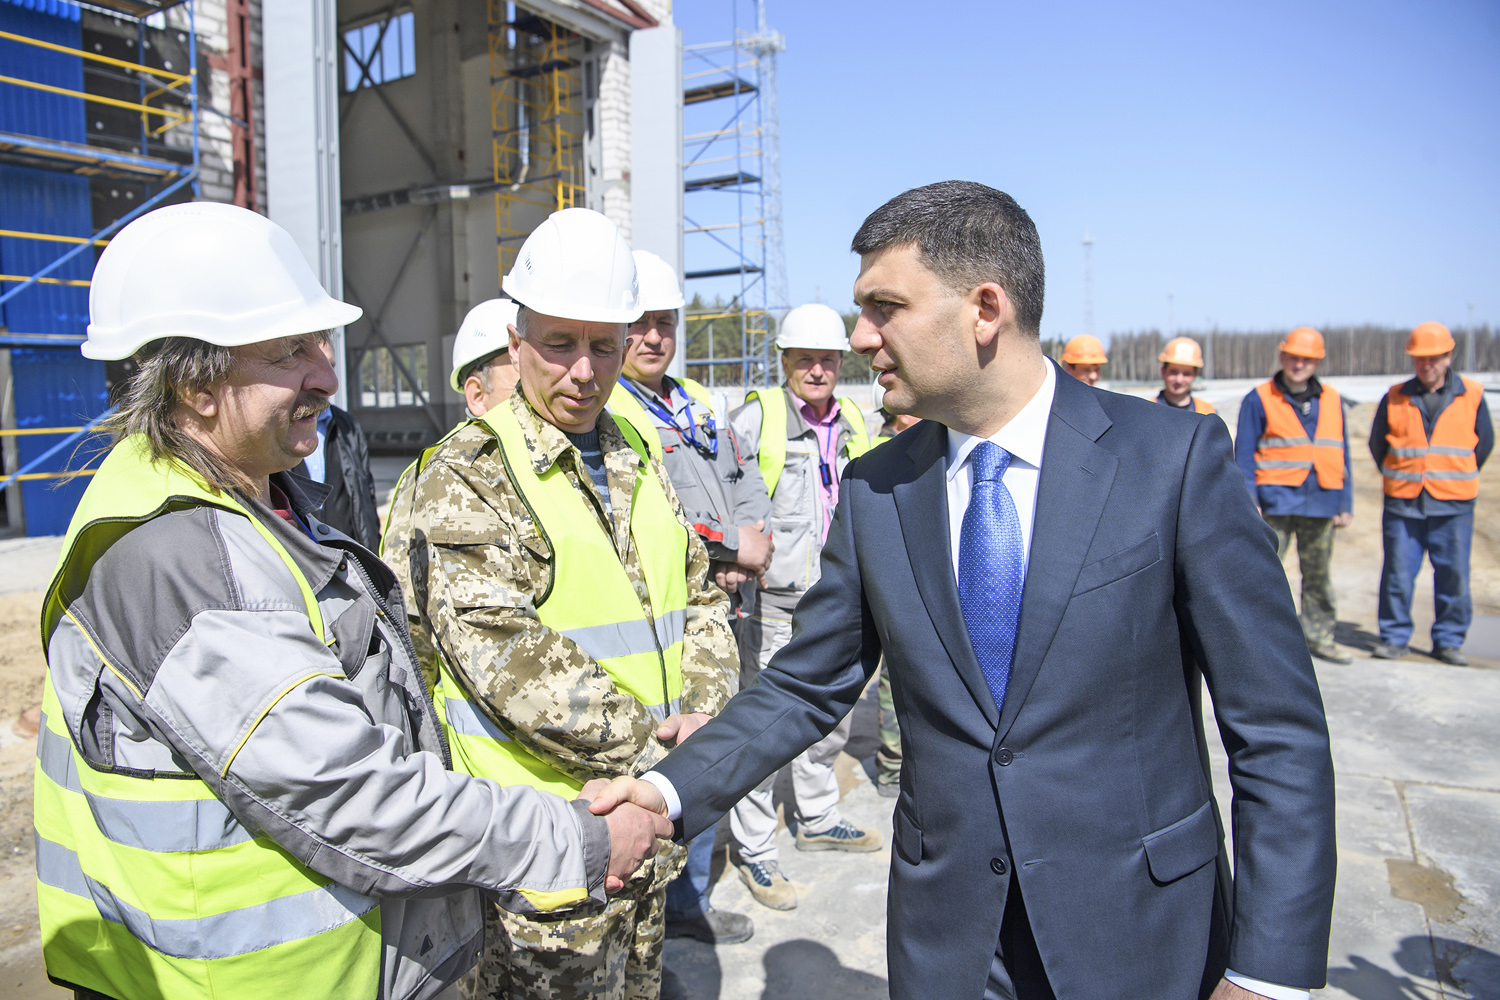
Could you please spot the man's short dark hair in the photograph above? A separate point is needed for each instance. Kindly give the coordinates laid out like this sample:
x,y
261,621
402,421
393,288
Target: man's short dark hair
x,y
966,233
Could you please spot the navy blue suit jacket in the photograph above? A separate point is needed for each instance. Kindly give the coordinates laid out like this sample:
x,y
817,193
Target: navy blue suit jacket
x,y
1148,565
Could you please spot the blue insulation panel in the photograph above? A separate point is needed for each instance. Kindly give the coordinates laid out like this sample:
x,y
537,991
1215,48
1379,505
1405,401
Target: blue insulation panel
x,y
53,387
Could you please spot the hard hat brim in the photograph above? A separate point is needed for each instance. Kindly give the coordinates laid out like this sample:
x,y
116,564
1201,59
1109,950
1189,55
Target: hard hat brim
x,y
286,320
661,306
1418,352
567,310
458,386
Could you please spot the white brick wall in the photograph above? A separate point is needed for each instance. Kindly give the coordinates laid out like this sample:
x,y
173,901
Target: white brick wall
x,y
215,133
613,110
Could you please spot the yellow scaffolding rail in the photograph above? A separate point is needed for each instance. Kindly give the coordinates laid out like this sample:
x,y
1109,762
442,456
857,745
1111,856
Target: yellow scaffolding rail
x,y
170,82
535,124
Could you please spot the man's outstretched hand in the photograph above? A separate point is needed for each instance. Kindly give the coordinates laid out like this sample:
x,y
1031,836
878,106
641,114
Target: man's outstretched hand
x,y
625,791
633,829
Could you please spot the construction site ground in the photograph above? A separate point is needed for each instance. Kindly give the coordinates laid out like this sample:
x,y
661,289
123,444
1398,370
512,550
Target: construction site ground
x,y
1416,745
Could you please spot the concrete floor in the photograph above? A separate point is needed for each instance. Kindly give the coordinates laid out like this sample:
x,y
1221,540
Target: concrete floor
x,y
1417,911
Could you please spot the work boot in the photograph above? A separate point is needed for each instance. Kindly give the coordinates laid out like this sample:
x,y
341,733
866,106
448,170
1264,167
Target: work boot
x,y
888,789
1450,656
1331,654
1383,651
767,884
843,837
713,927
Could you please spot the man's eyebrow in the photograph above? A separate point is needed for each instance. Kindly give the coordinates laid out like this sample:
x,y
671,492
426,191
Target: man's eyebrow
x,y
876,295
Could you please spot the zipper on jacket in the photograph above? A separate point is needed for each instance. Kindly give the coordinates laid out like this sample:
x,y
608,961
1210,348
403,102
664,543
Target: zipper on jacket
x,y
426,703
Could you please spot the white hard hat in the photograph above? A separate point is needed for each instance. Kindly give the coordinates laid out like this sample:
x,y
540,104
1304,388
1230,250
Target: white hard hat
x,y
212,272
814,326
576,265
658,282
484,331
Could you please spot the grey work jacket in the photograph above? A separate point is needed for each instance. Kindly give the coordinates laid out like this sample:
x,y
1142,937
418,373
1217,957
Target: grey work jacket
x,y
797,505
719,493
332,751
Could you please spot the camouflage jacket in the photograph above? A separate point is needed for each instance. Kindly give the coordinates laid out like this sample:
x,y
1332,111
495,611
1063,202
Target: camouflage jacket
x,y
478,567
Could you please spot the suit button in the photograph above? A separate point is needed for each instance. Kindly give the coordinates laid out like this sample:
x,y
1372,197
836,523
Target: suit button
x,y
1003,756
997,865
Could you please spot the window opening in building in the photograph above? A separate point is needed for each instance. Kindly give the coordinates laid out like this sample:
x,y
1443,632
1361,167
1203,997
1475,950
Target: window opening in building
x,y
382,382
380,52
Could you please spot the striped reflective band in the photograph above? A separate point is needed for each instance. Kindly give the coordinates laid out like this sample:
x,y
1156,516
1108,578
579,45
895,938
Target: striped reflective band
x,y
1408,452
1441,449
606,642
1405,477
1329,443
1452,474
222,935
465,718
1287,442
158,826
1281,463
660,712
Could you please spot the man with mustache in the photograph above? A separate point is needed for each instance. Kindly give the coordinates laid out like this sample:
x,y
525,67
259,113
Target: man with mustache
x,y
241,787
569,598
725,499
1052,573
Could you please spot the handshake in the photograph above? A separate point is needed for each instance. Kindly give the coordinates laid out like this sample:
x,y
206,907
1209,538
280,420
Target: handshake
x,y
635,810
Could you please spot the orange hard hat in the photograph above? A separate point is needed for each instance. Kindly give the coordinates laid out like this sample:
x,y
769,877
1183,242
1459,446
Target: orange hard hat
x,y
1181,351
1304,342
1084,350
1429,339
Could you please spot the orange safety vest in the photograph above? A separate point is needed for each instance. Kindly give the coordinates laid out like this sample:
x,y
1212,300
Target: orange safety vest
x,y
1285,454
1445,466
1199,406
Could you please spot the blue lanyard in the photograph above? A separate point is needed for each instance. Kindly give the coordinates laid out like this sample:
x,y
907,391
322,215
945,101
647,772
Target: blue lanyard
x,y
690,435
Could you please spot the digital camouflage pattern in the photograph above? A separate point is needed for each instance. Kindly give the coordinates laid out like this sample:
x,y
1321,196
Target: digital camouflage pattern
x,y
395,546
1314,537
610,954
479,565
888,757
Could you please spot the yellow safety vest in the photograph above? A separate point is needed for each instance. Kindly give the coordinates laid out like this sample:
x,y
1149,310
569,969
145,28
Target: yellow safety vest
x,y
589,600
148,887
622,403
772,450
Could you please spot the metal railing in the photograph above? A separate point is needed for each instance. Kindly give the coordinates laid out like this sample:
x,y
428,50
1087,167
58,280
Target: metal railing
x,y
25,474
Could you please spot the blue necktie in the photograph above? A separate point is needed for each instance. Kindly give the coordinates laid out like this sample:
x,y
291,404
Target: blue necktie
x,y
991,567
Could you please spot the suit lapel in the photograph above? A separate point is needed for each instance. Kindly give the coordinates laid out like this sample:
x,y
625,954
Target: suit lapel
x,y
922,505
1074,485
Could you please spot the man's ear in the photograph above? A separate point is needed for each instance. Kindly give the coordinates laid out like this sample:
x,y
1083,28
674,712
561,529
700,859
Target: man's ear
x,y
992,312
203,402
515,341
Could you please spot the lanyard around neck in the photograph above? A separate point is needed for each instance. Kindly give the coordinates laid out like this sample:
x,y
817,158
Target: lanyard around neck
x,y
690,435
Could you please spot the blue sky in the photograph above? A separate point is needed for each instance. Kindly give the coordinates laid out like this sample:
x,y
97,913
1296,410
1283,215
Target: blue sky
x,y
1272,164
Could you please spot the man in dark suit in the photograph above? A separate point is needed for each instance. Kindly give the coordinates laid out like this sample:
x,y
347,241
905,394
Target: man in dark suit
x,y
1049,570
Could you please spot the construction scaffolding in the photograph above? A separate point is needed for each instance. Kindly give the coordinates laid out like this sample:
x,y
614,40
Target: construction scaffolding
x,y
732,202
536,122
59,168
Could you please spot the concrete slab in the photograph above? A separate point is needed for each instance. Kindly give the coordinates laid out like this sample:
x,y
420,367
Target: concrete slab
x,y
1414,720
27,563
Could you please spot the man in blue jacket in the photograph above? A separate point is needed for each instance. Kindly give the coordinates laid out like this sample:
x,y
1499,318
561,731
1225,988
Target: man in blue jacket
x,y
1293,447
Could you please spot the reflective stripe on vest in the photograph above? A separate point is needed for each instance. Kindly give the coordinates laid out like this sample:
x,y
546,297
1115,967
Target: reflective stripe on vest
x,y
1446,467
149,887
623,404
1285,454
771,453
591,601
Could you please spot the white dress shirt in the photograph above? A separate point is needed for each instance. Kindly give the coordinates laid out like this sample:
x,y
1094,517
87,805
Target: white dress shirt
x,y
1025,437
